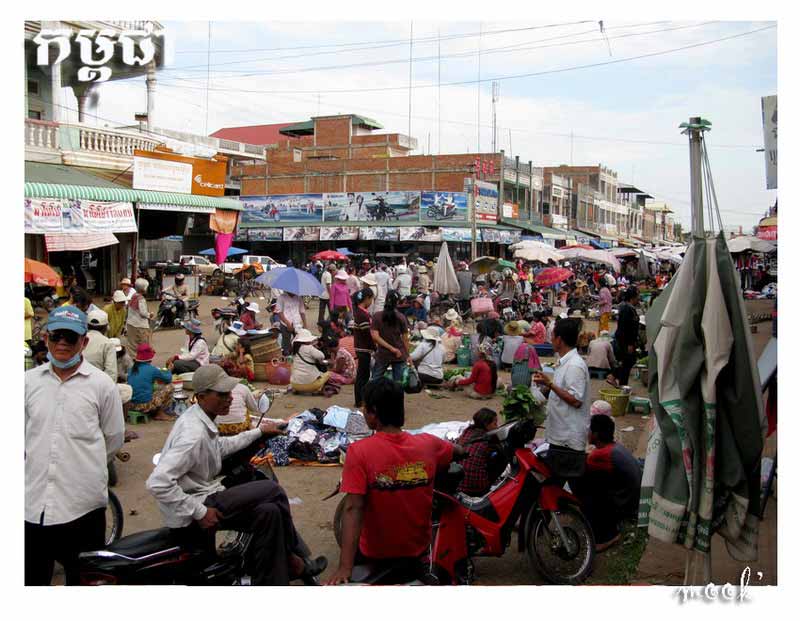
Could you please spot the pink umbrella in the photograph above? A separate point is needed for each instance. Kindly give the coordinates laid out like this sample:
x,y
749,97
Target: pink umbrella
x,y
550,276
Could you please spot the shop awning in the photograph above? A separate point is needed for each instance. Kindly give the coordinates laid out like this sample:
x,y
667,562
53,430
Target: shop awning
x,y
629,243
547,233
59,242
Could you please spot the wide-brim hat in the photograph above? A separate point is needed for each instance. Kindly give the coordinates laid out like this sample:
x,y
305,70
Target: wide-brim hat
x,y
524,325
422,269
431,334
304,336
341,275
451,315
119,296
145,353
369,279
125,281
513,329
193,325
253,306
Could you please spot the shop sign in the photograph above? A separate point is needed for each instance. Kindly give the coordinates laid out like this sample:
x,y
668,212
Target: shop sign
x,y
77,216
161,175
457,235
301,233
511,210
381,233
486,199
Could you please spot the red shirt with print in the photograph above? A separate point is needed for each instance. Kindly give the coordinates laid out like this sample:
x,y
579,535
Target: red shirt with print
x,y
395,471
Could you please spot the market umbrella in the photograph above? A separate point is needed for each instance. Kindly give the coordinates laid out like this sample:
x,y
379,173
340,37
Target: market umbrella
x,y
504,263
753,244
581,246
41,274
232,251
550,276
592,256
702,471
345,251
643,267
445,280
292,280
483,265
329,255
530,250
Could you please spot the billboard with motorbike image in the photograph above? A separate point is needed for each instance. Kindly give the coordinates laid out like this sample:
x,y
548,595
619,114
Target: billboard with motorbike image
x,y
443,207
335,233
301,233
420,234
372,207
281,208
380,233
273,234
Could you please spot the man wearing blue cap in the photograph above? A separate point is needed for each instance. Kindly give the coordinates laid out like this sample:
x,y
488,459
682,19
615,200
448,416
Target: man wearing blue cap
x,y
73,427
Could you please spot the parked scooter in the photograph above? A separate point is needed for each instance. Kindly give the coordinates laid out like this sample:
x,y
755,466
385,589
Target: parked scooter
x,y
553,531
160,557
225,316
169,316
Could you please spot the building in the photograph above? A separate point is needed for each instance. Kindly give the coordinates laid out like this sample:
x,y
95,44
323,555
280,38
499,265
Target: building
x,y
345,156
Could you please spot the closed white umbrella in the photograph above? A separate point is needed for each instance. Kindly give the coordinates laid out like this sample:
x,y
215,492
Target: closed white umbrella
x,y
445,280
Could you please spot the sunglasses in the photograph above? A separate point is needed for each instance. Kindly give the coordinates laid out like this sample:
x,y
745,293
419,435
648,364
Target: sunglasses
x,y
70,337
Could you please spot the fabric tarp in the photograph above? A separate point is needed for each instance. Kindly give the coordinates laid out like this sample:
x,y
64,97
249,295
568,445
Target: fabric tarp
x,y
59,242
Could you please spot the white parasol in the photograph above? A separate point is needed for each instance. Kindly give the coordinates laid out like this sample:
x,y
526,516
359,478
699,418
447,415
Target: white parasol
x,y
539,252
592,256
753,244
444,277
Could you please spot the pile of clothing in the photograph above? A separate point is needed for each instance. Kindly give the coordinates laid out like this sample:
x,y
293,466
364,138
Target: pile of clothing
x,y
316,435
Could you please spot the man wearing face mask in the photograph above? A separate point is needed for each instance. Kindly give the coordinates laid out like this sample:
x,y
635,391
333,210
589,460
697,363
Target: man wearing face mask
x,y
73,427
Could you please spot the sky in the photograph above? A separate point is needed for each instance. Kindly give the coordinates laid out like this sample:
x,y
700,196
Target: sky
x,y
619,112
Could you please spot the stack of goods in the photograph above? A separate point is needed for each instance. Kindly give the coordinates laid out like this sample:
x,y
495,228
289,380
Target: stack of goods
x,y
317,436
264,349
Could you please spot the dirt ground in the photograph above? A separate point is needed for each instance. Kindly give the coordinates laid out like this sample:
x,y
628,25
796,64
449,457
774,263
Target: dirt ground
x,y
312,515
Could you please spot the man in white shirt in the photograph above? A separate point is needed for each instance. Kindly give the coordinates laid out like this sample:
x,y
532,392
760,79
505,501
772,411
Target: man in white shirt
x,y
73,427
567,423
327,283
429,356
382,279
292,314
99,350
402,284
192,499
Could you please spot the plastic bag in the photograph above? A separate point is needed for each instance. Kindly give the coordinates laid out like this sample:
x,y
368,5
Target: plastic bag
x,y
412,384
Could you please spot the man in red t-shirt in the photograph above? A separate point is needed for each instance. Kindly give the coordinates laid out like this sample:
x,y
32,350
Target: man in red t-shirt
x,y
388,479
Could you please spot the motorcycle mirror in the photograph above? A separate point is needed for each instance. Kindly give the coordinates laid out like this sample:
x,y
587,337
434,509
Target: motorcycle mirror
x,y
264,403
156,458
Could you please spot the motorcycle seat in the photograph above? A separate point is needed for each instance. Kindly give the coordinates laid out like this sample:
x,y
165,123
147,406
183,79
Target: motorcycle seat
x,y
144,543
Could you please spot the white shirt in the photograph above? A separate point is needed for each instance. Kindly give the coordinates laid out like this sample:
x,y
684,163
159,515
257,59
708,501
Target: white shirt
x,y
199,351
290,307
382,283
191,460
100,352
72,429
431,359
565,425
306,372
139,314
402,284
327,281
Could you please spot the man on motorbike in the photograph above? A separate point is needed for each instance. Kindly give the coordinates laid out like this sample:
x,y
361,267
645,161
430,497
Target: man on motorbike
x,y
193,501
180,291
388,479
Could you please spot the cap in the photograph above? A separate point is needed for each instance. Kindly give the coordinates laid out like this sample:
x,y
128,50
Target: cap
x,y
116,343
98,317
145,353
304,336
67,318
212,377
119,296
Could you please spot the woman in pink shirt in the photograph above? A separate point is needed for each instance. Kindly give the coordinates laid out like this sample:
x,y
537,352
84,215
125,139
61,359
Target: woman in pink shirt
x,y
340,294
605,307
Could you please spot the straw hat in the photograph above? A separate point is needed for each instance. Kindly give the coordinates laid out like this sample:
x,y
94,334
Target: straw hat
x,y
451,315
369,279
431,334
304,336
513,329
125,281
524,325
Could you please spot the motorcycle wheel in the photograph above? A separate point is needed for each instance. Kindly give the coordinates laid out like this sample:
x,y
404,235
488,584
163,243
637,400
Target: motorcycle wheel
x,y
547,553
338,517
112,474
114,519
432,213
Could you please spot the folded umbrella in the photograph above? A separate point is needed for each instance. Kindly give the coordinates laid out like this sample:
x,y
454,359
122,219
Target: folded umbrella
x,y
292,280
444,277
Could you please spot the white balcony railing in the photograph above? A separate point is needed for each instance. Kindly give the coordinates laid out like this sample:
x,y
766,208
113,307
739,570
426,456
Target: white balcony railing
x,y
113,142
41,134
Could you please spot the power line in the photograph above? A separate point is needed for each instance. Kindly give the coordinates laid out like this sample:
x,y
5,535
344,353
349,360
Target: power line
x,y
508,77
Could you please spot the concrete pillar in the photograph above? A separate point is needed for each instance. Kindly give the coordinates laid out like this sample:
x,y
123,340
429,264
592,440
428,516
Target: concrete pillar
x,y
151,96
56,96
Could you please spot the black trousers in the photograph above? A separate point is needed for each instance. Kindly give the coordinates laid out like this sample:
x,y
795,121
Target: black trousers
x,y
428,380
323,305
184,366
596,498
61,542
362,376
261,508
626,362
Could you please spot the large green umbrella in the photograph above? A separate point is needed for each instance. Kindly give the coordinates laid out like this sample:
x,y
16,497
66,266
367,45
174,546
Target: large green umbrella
x,y
702,470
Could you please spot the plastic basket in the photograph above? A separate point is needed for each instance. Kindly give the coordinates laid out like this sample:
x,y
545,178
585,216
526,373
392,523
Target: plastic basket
x,y
617,399
464,357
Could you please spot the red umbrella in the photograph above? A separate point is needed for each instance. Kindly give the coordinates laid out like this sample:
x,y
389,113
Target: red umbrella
x,y
41,274
549,276
329,255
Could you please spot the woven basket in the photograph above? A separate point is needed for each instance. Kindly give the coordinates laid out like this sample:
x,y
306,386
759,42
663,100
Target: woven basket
x,y
617,399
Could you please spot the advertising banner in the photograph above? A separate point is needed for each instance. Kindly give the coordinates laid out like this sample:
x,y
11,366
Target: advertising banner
x,y
456,235
769,119
443,207
420,234
161,175
301,233
382,233
339,207
75,216
281,208
511,210
489,235
271,234
384,207
769,233
485,201
241,235
335,233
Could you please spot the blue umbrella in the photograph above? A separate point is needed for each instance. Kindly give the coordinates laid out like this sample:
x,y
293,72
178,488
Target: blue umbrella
x,y
292,280
345,251
232,251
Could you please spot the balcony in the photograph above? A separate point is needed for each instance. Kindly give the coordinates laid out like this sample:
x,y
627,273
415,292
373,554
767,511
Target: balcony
x,y
82,145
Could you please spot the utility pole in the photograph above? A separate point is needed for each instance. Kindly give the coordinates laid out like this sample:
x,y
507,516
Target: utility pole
x,y
480,35
410,65
695,128
495,99
439,96
208,78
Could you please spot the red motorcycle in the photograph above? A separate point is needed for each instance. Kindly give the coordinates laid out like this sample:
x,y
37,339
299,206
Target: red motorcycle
x,y
553,531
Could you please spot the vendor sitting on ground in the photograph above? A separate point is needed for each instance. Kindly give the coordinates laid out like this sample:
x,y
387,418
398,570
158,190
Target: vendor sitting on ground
x,y
477,478
343,365
331,330
307,376
601,353
141,377
482,382
237,420
526,361
226,343
416,312
538,329
609,488
241,363
428,357
248,317
197,350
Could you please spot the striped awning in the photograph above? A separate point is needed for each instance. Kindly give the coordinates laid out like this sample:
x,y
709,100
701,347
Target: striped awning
x,y
59,242
182,202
